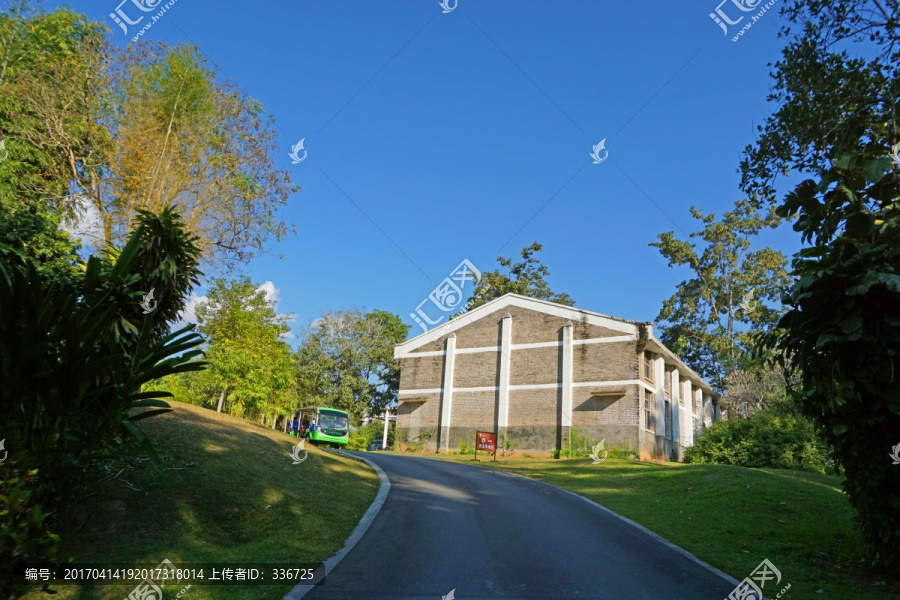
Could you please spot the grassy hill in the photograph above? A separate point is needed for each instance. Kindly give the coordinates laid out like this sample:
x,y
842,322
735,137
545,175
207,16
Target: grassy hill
x,y
229,491
730,517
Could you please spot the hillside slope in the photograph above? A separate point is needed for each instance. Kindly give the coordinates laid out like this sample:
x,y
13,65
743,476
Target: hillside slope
x,y
229,491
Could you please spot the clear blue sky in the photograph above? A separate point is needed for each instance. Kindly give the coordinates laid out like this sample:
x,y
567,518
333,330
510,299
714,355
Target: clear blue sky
x,y
467,135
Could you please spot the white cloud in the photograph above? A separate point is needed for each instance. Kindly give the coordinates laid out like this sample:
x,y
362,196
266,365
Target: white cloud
x,y
189,313
271,292
87,225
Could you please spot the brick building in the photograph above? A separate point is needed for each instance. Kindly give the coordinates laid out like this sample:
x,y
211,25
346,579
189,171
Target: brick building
x,y
534,371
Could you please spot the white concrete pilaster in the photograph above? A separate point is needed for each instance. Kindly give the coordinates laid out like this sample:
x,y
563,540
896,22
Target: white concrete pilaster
x,y
567,375
505,349
676,407
687,414
659,377
447,395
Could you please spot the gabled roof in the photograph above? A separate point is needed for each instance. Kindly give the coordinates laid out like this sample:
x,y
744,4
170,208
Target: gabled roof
x,y
508,300
407,348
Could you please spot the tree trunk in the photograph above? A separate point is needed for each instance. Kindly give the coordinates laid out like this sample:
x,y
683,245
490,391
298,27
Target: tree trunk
x,y
274,420
221,401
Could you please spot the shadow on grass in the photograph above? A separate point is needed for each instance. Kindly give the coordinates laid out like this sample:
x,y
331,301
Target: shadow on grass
x,y
228,492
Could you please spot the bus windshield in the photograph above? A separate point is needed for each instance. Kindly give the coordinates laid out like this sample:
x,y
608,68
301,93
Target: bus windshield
x,y
333,420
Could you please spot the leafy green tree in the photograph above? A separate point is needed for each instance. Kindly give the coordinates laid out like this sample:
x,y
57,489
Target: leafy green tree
x,y
50,100
251,365
208,148
33,230
842,330
99,132
346,360
837,83
525,278
700,321
836,88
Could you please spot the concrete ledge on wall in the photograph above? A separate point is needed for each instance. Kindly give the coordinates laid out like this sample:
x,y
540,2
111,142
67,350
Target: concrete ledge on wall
x,y
608,393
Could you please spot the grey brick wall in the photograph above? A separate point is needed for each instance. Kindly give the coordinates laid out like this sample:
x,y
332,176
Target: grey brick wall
x,y
534,365
613,361
477,370
421,372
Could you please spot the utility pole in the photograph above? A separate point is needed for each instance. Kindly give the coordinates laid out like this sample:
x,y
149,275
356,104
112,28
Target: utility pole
x,y
387,418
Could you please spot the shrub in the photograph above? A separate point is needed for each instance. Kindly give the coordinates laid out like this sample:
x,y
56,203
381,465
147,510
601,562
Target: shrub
x,y
766,439
25,537
626,452
465,448
576,445
357,441
398,442
422,440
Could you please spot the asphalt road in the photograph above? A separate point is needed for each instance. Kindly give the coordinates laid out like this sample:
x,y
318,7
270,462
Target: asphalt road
x,y
488,534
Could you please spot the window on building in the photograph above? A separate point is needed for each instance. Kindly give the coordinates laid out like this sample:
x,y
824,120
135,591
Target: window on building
x,y
647,366
668,381
649,424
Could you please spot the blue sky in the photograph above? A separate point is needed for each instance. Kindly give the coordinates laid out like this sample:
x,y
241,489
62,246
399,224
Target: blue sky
x,y
435,137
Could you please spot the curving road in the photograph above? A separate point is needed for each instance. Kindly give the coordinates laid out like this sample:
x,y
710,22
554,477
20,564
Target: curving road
x,y
489,534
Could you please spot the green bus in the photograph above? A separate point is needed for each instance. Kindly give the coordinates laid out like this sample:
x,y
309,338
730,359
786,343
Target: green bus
x,y
331,425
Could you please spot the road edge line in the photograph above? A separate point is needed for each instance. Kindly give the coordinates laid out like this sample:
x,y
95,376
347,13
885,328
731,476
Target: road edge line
x,y
656,536
300,590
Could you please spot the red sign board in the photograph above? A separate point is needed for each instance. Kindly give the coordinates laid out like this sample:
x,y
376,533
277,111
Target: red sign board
x,y
486,441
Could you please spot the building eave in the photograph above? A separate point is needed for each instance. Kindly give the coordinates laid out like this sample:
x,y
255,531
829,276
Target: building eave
x,y
571,313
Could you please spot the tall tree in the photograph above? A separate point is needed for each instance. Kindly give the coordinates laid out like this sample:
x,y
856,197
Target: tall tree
x,y
346,360
251,370
51,67
701,320
99,134
836,88
837,83
525,278
187,138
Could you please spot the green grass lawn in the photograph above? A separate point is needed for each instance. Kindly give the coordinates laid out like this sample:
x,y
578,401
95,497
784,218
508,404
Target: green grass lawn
x,y
229,492
729,517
